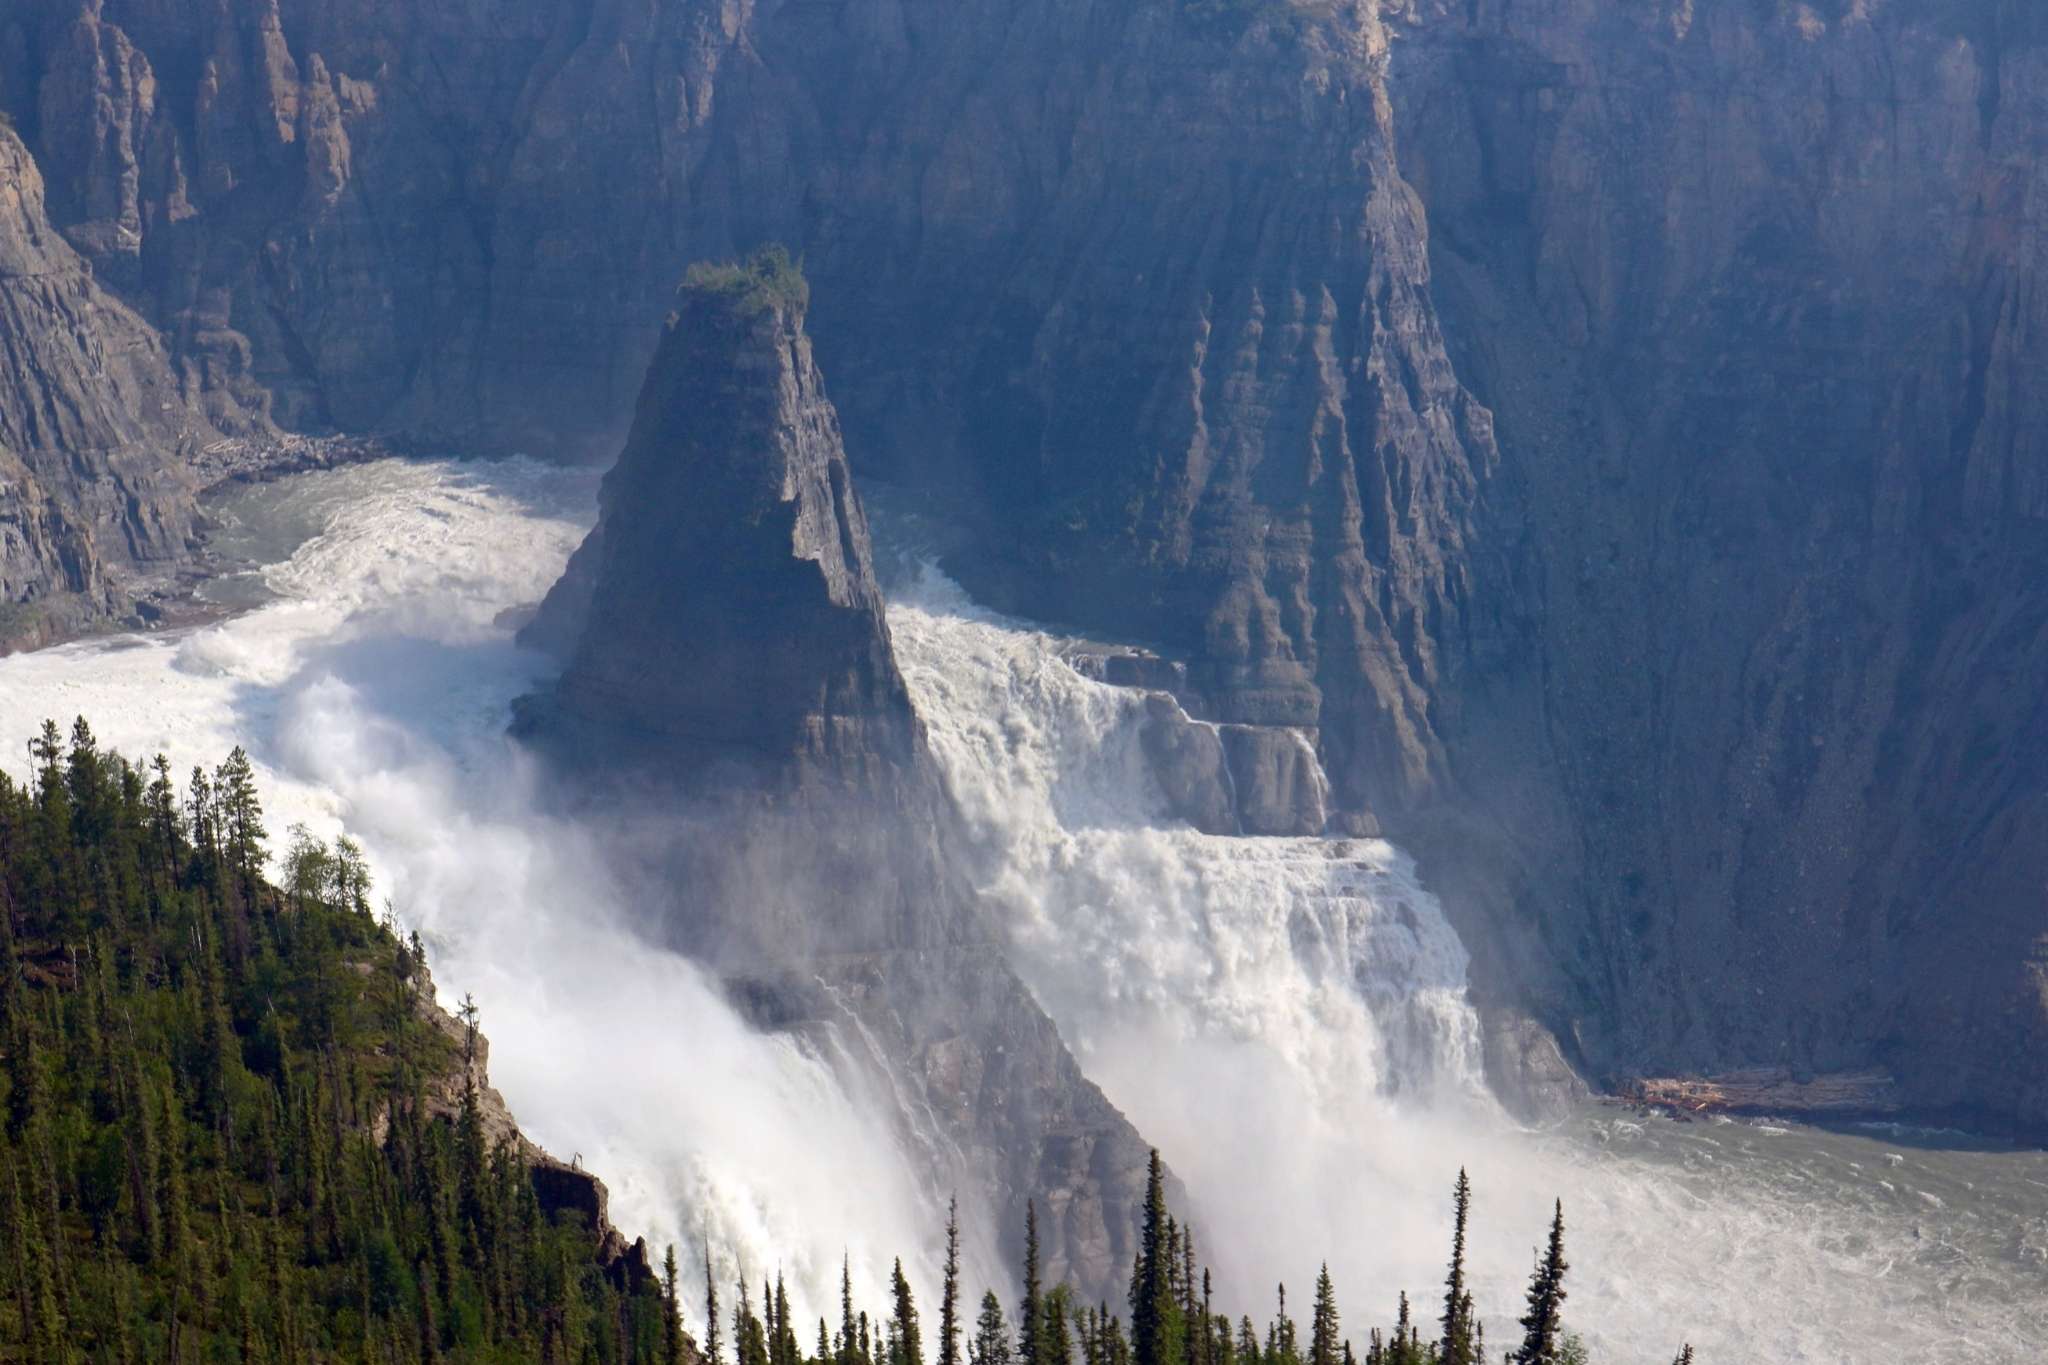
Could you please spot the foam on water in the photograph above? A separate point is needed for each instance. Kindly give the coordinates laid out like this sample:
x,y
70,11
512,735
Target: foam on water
x,y
373,693
1285,1017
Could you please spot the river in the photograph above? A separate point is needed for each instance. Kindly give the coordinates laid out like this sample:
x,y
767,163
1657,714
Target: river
x,y
1286,1017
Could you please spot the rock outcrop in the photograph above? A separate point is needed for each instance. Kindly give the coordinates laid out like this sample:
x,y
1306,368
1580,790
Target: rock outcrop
x,y
726,647
562,1188
94,426
724,612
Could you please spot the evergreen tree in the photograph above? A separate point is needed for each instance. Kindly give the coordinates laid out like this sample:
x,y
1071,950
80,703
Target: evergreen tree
x,y
1282,1344
949,1290
908,1341
749,1336
990,1344
712,1345
1031,1345
1056,1334
1325,1346
672,1316
785,1350
1684,1356
1457,1345
849,1340
1542,1329
1155,1316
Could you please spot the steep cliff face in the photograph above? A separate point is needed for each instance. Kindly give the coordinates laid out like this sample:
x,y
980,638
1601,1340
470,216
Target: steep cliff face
x,y
1138,281
725,611
1754,291
726,647
93,429
1707,687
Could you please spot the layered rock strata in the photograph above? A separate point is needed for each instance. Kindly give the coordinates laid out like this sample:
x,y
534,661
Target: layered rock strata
x,y
1755,294
93,428
1611,429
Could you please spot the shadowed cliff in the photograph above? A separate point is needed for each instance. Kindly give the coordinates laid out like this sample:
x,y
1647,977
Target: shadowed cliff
x,y
1614,432
95,428
731,706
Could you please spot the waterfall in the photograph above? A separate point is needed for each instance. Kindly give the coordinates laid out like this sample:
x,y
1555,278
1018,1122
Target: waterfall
x,y
1252,1003
1285,1017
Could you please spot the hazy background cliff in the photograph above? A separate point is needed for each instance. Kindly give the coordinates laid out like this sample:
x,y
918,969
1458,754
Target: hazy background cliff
x,y
1610,435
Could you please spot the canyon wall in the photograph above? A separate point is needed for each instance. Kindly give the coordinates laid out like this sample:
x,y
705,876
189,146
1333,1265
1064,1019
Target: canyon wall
x,y
95,428
1610,431
1754,293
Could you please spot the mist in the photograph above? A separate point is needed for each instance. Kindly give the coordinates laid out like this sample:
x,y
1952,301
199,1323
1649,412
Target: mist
x,y
373,697
1285,1018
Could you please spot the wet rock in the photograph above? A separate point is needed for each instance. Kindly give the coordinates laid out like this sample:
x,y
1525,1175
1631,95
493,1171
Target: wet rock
x,y
1188,763
1526,1069
1276,780
1134,668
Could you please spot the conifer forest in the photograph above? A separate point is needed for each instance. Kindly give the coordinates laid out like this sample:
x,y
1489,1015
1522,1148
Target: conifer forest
x,y
237,1129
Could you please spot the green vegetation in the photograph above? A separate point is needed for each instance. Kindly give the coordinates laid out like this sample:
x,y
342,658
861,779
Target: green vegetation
x,y
767,278
234,1131
198,1069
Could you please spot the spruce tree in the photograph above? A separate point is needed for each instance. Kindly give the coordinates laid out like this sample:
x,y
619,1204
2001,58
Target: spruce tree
x,y
1031,1312
712,1345
849,1338
1154,1313
909,1342
991,1342
1456,1346
672,1316
785,1350
1058,1340
1542,1325
949,1290
1325,1346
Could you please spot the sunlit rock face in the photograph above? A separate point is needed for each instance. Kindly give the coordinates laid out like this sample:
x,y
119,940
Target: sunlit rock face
x,y
95,428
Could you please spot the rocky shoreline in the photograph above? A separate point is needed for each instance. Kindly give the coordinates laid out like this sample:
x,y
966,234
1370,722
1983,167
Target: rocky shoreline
x,y
1867,1093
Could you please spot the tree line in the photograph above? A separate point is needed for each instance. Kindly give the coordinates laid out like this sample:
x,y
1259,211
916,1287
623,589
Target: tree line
x,y
232,1130
1172,1315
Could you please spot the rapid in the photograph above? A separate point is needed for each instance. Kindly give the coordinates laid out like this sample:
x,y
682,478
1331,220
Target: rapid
x,y
1285,1017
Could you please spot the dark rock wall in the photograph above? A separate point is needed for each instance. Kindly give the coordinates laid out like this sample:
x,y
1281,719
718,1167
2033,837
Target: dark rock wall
x,y
729,681
1754,291
1708,687
728,606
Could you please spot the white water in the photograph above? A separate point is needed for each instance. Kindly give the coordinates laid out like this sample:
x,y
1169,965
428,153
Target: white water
x,y
373,696
1284,1017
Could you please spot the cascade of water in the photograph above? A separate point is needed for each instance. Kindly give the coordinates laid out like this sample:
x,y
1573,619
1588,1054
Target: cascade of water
x,y
1286,1017
1215,986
